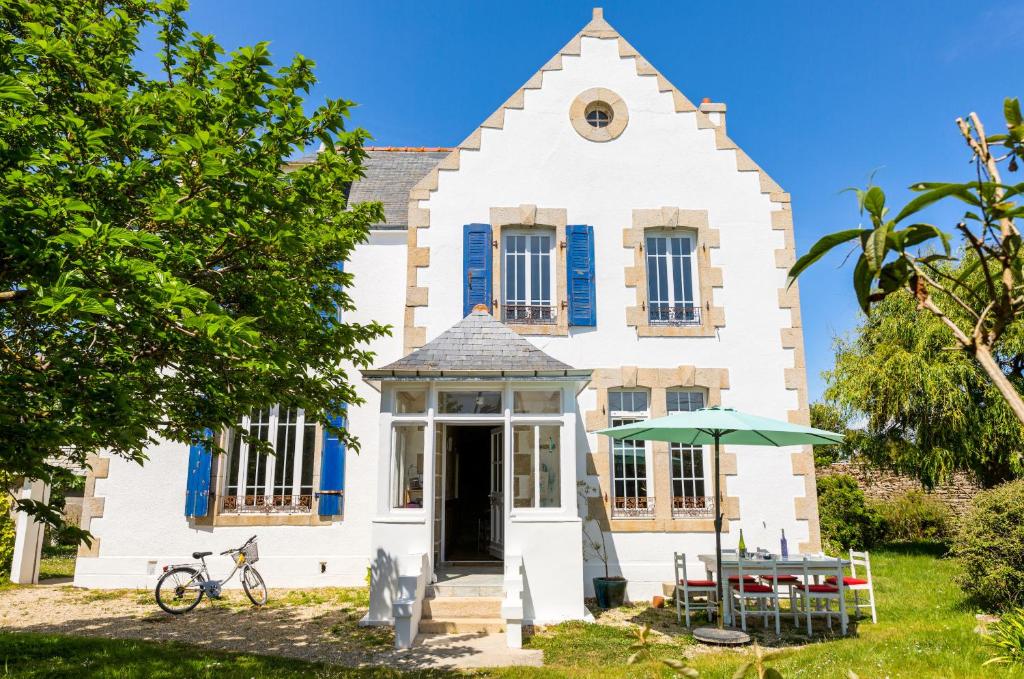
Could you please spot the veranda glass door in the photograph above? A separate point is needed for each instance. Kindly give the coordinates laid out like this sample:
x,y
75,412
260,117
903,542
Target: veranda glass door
x,y
497,494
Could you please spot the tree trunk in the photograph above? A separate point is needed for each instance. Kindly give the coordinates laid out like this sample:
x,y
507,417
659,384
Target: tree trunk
x,y
999,378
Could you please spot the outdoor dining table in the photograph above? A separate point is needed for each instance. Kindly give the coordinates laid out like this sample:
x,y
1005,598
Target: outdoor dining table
x,y
818,566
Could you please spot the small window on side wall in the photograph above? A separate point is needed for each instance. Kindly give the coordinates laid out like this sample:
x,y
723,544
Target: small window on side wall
x,y
407,467
410,401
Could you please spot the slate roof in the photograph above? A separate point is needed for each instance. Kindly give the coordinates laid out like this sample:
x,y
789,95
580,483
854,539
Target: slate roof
x,y
478,344
390,173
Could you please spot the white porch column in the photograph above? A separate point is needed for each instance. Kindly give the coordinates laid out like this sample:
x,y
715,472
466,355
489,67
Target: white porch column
x,y
28,540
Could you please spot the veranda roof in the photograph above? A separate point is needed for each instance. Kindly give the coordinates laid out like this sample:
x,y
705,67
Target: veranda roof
x,y
478,346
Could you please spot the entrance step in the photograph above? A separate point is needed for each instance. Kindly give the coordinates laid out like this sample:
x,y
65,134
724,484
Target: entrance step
x,y
449,607
462,591
461,626
461,582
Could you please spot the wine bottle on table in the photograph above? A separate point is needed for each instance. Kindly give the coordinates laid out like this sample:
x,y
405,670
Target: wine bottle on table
x,y
742,546
784,551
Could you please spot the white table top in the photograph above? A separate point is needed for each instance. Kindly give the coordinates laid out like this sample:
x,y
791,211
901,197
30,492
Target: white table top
x,y
792,561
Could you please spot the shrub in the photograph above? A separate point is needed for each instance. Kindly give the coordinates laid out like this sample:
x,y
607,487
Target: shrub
x,y
847,521
1007,636
6,531
915,516
990,548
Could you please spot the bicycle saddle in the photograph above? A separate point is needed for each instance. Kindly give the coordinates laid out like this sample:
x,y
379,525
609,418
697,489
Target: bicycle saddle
x,y
200,555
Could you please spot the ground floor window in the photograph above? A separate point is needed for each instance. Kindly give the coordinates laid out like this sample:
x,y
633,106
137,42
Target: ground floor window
x,y
630,480
407,467
536,465
689,493
278,481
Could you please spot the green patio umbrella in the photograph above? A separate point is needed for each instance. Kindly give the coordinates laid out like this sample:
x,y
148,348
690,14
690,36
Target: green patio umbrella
x,y
715,426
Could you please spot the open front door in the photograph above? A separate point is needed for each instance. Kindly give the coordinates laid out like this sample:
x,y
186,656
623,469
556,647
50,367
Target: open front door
x,y
497,495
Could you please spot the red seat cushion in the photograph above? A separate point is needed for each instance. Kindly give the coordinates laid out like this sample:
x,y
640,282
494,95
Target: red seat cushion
x,y
699,583
826,589
847,580
753,589
781,578
746,578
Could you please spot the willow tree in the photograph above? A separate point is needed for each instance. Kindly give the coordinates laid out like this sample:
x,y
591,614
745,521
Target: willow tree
x,y
922,409
160,272
977,302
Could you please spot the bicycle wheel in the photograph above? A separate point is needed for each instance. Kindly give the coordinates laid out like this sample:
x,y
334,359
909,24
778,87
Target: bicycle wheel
x,y
178,590
255,588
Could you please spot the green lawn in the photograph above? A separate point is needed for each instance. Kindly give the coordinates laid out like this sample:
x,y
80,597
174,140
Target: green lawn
x,y
925,630
39,656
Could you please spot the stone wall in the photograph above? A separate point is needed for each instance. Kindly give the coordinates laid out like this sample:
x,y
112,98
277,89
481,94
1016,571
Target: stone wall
x,y
884,485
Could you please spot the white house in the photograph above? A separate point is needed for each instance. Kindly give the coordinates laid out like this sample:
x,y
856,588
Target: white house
x,y
597,251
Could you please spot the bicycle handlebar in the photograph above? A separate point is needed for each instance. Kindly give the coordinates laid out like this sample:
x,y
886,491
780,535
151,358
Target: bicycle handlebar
x,y
238,549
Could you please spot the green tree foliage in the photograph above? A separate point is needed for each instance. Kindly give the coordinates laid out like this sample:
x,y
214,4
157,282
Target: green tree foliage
x,y
160,271
928,410
829,417
847,521
979,299
6,528
989,547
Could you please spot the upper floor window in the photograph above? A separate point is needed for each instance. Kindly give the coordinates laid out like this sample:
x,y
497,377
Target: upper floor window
x,y
689,492
528,263
281,480
671,280
631,480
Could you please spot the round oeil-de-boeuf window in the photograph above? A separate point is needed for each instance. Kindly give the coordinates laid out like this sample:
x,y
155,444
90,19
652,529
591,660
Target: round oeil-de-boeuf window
x,y
598,114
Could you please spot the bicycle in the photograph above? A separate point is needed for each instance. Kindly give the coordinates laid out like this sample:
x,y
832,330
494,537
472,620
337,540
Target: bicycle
x,y
182,586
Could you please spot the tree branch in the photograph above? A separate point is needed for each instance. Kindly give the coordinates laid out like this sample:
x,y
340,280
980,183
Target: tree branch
x,y
13,295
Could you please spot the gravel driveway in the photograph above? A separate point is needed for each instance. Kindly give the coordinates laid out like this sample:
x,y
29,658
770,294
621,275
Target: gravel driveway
x,y
317,625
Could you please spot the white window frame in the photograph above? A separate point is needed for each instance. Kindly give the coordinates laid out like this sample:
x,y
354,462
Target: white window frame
x,y
626,416
537,309
702,506
395,478
663,307
536,424
268,489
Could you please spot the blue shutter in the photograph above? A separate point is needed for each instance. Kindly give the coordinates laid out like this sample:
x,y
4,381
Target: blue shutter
x,y
476,267
580,257
332,472
197,490
332,459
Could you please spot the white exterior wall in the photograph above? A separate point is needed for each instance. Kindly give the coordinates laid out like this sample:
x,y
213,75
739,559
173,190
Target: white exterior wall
x,y
143,526
661,159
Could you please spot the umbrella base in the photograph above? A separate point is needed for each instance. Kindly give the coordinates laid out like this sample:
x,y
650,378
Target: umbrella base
x,y
721,637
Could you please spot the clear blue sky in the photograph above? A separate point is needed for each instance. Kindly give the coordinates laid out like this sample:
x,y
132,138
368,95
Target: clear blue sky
x,y
819,93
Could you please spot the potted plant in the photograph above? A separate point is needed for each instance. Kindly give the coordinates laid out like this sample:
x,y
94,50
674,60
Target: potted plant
x,y
610,590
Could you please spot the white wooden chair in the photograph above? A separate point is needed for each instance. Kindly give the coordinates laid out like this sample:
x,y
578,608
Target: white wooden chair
x,y
810,594
790,582
744,590
687,588
859,584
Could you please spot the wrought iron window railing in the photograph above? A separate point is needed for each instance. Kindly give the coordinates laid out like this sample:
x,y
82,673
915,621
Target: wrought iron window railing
x,y
241,504
693,507
529,314
633,508
673,314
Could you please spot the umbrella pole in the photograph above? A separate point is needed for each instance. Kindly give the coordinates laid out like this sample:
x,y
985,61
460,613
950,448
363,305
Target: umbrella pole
x,y
718,532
